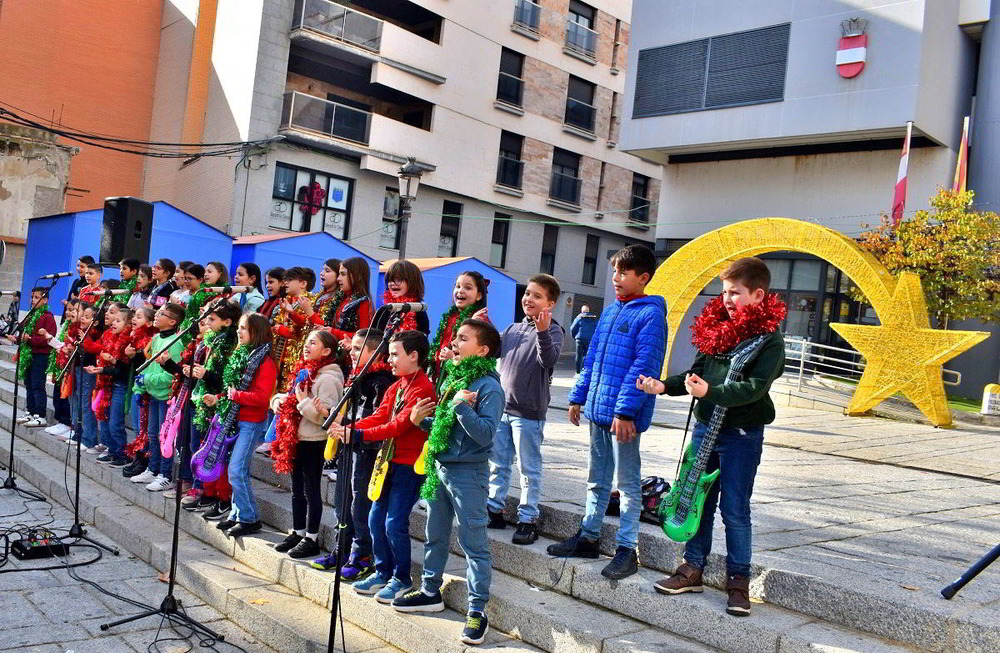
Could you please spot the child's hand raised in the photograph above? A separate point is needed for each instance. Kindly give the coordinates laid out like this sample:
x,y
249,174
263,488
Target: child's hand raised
x,y
695,385
649,385
544,320
322,409
43,333
466,396
446,354
130,351
423,409
481,314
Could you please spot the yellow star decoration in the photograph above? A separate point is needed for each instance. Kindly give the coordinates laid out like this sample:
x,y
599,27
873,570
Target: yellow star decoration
x,y
904,354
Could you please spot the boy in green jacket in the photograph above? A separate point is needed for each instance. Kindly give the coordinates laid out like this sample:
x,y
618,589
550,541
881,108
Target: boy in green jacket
x,y
156,380
744,311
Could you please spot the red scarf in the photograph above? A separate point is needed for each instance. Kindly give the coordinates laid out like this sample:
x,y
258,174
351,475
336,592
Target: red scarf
x,y
114,344
142,336
409,318
69,345
715,333
381,365
287,428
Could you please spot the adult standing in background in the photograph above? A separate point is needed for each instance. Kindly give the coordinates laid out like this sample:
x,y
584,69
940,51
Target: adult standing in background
x,y
582,330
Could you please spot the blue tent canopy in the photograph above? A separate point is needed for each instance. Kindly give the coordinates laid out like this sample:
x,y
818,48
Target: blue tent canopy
x,y
285,250
55,242
439,280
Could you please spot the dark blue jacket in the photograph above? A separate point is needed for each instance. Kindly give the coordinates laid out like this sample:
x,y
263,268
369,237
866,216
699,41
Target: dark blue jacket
x,y
629,341
583,327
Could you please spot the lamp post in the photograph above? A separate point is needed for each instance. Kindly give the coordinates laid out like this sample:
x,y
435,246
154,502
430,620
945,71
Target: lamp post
x,y
409,179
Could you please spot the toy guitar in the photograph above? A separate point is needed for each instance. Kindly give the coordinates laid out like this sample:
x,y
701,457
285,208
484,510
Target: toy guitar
x,y
681,509
384,456
175,412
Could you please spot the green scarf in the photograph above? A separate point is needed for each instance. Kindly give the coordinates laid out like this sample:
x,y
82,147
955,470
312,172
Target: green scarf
x,y
24,347
455,377
463,315
231,376
221,345
53,367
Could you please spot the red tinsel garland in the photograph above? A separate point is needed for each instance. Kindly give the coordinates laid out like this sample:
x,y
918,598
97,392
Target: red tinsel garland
x,y
381,365
114,344
409,318
135,447
64,352
186,357
287,428
714,332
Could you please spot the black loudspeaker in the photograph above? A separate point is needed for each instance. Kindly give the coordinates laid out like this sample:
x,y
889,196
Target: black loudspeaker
x,y
128,226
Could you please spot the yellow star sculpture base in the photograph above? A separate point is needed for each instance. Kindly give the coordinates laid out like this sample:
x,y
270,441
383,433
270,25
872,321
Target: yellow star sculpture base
x,y
904,354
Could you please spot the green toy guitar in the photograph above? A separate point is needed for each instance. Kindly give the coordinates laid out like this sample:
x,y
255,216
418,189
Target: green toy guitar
x,y
681,509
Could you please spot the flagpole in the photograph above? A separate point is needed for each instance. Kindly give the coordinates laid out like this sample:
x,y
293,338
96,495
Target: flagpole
x,y
899,193
962,162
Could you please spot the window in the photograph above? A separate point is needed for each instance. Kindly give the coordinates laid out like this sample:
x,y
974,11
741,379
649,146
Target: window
x,y
308,200
509,165
581,14
590,259
640,199
510,86
501,232
580,35
580,111
549,239
451,216
527,15
721,71
390,219
566,183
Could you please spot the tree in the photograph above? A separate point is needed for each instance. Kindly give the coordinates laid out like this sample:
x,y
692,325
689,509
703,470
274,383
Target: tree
x,y
955,250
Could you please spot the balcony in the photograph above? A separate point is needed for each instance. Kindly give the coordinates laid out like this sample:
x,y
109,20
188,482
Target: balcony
x,y
510,89
339,23
509,171
565,188
580,115
581,41
527,18
639,212
308,113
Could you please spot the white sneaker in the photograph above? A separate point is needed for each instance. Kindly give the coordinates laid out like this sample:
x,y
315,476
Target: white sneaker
x,y
63,431
101,447
144,477
264,448
36,421
24,417
91,450
159,484
54,429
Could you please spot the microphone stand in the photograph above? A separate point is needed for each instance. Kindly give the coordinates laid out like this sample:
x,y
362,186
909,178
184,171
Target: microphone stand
x,y
77,531
971,572
9,483
170,607
345,468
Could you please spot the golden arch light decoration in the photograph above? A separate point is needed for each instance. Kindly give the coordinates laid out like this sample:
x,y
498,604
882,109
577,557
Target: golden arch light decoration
x,y
904,354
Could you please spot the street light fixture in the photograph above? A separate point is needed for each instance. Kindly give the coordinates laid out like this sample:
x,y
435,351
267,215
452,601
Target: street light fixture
x,y
409,179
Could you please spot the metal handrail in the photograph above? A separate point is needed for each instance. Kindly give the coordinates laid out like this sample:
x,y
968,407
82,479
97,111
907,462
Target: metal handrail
x,y
581,38
339,22
527,14
510,89
560,183
800,353
580,114
304,111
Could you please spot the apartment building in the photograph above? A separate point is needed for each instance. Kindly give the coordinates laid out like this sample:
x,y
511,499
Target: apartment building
x,y
511,109
757,108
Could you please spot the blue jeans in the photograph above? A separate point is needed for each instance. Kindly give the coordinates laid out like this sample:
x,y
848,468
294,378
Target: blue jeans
x,y
61,407
85,386
134,412
736,455
462,494
612,459
361,506
581,353
34,385
158,464
517,435
389,521
113,429
244,506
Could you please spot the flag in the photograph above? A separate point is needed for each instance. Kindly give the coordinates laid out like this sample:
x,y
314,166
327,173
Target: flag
x,y
962,165
899,196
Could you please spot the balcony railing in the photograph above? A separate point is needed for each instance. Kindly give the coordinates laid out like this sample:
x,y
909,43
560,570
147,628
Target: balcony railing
x,y
581,39
338,22
510,89
302,111
639,210
580,114
565,188
509,171
527,15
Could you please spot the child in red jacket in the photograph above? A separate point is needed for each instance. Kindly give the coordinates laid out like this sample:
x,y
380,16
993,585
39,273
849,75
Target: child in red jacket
x,y
394,486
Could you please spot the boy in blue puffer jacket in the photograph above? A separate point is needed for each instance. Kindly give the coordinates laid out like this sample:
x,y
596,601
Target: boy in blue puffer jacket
x,y
629,343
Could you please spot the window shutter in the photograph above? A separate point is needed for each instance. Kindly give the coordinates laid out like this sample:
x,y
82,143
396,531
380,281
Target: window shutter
x,y
747,67
670,79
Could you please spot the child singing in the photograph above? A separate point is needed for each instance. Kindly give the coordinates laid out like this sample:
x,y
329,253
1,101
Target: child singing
x,y
113,368
469,296
405,284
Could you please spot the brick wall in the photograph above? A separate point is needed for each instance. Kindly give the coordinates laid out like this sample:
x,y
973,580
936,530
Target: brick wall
x,y
545,89
11,270
617,193
602,101
537,157
590,172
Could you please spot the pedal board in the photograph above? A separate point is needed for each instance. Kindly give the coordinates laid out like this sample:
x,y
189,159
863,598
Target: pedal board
x,y
39,545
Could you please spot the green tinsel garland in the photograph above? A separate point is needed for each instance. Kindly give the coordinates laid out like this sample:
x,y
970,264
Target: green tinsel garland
x,y
130,284
455,377
216,360
53,367
231,376
463,315
24,348
192,311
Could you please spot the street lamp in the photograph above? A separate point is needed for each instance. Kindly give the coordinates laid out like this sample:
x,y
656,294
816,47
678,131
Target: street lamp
x,y
409,179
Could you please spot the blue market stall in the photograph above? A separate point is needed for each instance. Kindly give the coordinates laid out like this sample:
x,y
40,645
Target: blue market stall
x,y
285,250
439,281
55,242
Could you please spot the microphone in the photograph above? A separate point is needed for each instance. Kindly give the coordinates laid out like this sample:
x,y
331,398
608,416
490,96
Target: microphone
x,y
406,307
57,275
115,291
233,289
9,293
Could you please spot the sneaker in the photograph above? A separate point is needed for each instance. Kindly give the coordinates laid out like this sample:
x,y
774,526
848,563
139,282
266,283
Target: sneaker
x,y
526,533
393,590
624,564
36,421
684,579
219,512
331,474
192,497
93,451
287,544
183,486
55,429
306,548
226,524
476,627
497,522
264,448
576,546
356,567
61,429
134,468
244,528
203,503
24,417
738,589
120,461
328,563
419,601
105,458
159,484
101,447
371,585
